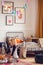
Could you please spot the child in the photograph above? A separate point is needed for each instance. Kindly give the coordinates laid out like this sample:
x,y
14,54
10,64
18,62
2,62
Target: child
x,y
10,44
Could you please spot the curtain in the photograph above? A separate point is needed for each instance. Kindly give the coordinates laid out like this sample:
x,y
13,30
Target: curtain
x,y
40,17
39,27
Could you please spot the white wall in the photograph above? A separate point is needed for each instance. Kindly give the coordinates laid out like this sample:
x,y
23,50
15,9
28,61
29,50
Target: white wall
x,y
31,16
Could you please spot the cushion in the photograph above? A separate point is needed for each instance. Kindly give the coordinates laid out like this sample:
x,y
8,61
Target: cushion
x,y
18,41
41,42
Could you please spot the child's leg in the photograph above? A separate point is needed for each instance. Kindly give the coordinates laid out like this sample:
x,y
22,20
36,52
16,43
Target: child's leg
x,y
14,47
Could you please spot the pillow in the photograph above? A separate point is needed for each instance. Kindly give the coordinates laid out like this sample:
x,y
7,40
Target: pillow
x,y
41,42
18,41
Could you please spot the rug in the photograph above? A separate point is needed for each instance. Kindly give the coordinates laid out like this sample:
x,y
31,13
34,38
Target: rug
x,y
18,63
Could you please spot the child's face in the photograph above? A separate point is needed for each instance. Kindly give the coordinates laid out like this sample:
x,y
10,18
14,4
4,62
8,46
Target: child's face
x,y
0,50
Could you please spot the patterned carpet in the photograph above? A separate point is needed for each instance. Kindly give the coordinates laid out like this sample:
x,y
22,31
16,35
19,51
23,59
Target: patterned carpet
x,y
18,63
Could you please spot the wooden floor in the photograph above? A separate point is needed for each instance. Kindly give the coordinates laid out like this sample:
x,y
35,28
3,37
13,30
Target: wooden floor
x,y
31,60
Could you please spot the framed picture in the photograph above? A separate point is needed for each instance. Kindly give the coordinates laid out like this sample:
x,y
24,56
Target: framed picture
x,y
9,20
20,15
7,7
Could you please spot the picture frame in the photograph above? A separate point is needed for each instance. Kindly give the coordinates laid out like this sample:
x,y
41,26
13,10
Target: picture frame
x,y
7,7
9,20
20,15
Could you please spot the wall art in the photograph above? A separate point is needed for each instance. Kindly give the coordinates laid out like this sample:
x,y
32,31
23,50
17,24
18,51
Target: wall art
x,y
20,15
9,20
8,7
